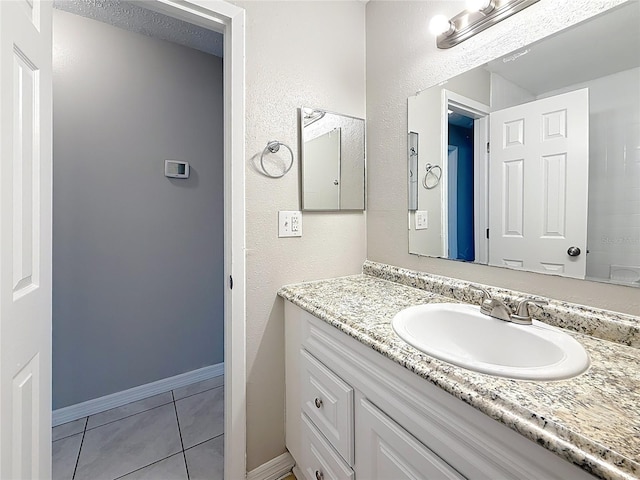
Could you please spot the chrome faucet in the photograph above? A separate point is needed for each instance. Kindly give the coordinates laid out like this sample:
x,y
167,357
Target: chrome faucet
x,y
522,315
497,309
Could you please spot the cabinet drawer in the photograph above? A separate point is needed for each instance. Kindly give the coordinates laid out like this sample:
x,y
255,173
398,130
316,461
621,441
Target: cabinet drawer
x,y
387,451
328,402
319,461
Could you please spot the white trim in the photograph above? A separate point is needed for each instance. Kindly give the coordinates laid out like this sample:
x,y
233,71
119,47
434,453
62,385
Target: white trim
x,y
297,472
481,188
97,405
273,469
235,427
229,19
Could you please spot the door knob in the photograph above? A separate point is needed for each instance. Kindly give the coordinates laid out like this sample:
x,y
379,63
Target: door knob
x,y
335,182
573,251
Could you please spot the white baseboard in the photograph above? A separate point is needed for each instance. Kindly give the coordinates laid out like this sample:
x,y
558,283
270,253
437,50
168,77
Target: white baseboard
x,y
97,405
273,469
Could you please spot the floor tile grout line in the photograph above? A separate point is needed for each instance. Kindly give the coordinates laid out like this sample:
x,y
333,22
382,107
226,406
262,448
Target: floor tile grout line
x,y
66,436
145,466
84,432
184,455
204,441
128,416
198,393
86,429
150,396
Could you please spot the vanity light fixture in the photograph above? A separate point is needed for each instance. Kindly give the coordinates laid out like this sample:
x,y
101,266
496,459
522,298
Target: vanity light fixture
x,y
479,15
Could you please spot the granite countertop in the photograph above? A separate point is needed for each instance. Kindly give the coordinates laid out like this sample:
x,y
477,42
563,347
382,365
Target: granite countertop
x,y
592,420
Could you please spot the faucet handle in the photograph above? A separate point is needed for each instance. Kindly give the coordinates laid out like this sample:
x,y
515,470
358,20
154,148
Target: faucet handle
x,y
522,315
486,303
485,295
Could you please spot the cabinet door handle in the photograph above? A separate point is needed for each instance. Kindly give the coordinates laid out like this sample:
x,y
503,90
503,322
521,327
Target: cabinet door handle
x,y
318,402
319,475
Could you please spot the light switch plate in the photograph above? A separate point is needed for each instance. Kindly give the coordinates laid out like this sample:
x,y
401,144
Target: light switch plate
x,y
422,219
289,223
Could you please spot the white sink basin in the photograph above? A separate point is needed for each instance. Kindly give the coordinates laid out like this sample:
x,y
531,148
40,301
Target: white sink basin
x,y
460,334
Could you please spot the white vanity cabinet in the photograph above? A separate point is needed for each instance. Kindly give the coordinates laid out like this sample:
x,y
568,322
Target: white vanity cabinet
x,y
352,413
390,452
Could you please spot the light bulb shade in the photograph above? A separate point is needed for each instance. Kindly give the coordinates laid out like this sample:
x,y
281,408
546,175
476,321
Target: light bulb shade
x,y
467,23
484,6
440,25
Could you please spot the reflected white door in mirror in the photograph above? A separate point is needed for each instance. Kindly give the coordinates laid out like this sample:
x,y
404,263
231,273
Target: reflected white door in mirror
x,y
539,151
538,182
332,157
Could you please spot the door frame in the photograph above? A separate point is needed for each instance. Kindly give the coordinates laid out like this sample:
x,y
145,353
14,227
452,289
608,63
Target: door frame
x,y
228,19
480,114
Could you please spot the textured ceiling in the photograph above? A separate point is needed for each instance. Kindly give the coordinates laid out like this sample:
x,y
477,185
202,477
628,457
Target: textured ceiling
x,y
133,17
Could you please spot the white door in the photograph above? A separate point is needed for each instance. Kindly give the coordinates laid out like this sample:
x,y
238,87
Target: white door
x,y
25,239
539,169
321,166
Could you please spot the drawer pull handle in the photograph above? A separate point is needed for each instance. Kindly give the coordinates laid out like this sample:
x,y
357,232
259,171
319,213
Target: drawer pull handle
x,y
319,475
318,403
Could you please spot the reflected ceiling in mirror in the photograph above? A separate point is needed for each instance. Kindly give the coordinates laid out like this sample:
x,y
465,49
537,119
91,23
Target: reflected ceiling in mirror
x,y
332,160
539,154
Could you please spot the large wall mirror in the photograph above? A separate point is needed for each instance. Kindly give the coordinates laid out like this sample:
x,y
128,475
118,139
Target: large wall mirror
x,y
332,152
532,161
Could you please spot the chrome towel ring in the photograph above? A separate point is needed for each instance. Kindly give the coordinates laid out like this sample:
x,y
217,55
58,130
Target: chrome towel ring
x,y
273,147
432,177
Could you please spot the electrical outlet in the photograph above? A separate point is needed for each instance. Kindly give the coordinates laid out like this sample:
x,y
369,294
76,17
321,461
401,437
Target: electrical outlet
x,y
422,219
289,223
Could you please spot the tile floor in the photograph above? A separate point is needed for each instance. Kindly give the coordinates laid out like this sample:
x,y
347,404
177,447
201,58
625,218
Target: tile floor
x,y
176,435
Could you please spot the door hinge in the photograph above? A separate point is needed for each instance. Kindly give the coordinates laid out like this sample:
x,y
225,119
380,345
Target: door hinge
x,y
230,282
487,233
488,148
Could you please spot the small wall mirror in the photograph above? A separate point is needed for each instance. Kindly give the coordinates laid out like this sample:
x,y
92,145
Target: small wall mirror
x,y
532,161
332,157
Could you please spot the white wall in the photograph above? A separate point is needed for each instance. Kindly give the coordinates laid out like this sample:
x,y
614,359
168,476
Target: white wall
x,y
507,94
137,257
297,54
401,59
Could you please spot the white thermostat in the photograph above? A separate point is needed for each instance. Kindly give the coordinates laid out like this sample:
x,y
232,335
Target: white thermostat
x,y
176,169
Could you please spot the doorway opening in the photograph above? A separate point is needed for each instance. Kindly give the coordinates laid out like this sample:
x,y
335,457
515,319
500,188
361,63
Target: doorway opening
x,y
231,189
460,204
465,191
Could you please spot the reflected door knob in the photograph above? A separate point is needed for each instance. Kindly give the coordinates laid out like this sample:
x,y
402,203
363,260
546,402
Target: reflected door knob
x,y
573,251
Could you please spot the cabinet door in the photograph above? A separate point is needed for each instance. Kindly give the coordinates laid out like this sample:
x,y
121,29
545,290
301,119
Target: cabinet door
x,y
328,401
319,461
385,451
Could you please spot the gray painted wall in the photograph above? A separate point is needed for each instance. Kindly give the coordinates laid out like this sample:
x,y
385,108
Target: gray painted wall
x,y
138,258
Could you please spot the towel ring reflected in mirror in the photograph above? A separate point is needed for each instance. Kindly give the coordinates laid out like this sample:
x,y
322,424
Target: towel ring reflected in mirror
x,y
432,176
